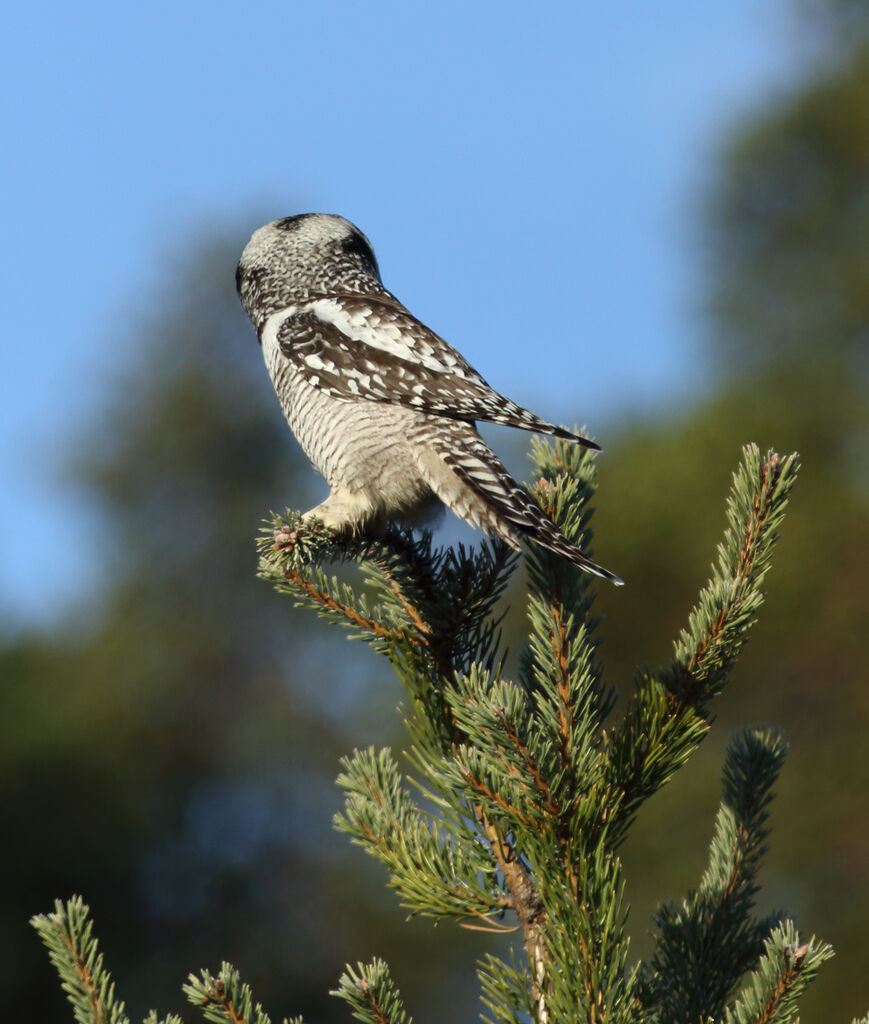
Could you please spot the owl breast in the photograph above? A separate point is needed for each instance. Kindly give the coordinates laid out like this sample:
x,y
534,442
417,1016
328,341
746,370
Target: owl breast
x,y
365,450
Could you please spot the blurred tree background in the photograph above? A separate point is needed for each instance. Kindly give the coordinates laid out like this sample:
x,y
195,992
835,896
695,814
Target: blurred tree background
x,y
787,249
169,751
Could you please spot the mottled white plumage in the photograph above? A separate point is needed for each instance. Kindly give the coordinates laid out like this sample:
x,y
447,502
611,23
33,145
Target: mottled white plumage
x,y
384,408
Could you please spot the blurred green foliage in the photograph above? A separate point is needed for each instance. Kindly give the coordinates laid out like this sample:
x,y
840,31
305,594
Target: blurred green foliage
x,y
169,751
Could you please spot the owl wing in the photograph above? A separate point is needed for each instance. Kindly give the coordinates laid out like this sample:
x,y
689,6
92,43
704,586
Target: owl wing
x,y
360,347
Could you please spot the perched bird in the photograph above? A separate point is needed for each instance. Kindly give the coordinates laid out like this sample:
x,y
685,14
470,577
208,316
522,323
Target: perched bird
x,y
383,407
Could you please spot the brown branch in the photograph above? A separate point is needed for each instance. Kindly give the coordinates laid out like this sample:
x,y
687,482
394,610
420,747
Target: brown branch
x,y
494,797
527,904
792,972
531,766
498,929
373,1005
413,614
85,976
760,511
558,636
770,468
338,606
740,855
218,995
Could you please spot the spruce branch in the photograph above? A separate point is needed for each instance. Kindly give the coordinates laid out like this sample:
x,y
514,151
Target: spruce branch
x,y
560,668
74,951
433,611
706,944
225,999
784,971
719,623
289,554
68,935
502,768
439,871
668,715
371,993
505,990
574,941
585,965
452,594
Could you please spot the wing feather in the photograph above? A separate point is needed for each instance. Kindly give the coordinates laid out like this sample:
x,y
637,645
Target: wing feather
x,y
354,347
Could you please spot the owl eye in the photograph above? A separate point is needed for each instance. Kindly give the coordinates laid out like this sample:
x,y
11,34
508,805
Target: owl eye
x,y
356,244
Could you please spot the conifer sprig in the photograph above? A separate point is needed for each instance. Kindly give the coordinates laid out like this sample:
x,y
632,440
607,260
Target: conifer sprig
x,y
560,668
439,868
225,999
505,990
371,993
74,951
718,625
434,601
668,714
433,612
706,944
772,991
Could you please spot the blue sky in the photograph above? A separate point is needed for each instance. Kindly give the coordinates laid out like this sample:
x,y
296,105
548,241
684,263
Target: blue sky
x,y
529,175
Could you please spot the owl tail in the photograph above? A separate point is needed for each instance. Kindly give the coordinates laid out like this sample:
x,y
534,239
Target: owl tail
x,y
472,481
